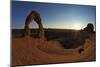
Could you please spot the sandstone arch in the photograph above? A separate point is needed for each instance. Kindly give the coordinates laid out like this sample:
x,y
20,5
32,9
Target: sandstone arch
x,y
36,17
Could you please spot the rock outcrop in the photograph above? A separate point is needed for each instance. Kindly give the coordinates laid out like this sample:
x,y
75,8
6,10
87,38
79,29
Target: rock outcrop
x,y
36,17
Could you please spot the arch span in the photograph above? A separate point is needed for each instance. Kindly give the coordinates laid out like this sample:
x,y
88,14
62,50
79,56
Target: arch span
x,y
36,17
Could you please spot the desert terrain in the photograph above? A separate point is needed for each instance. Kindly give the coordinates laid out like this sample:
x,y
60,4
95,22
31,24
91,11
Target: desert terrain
x,y
61,46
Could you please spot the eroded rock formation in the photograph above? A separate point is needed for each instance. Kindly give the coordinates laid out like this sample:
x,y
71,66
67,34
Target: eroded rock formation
x,y
36,17
89,28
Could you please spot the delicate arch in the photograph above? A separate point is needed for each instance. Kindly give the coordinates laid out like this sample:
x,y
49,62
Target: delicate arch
x,y
36,17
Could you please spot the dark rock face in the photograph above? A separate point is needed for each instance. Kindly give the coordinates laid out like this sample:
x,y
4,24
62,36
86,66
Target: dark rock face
x,y
89,28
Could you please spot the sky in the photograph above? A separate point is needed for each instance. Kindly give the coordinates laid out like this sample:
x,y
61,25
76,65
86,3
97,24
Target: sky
x,y
60,16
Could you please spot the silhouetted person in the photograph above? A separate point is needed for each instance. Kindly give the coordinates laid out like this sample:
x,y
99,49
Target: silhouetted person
x,y
81,50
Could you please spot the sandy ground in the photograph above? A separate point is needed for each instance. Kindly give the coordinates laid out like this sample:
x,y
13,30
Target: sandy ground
x,y
25,51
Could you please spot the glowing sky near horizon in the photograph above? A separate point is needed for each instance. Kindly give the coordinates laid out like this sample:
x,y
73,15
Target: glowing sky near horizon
x,y
62,16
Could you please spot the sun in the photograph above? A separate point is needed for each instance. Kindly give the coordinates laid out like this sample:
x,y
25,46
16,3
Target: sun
x,y
77,26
